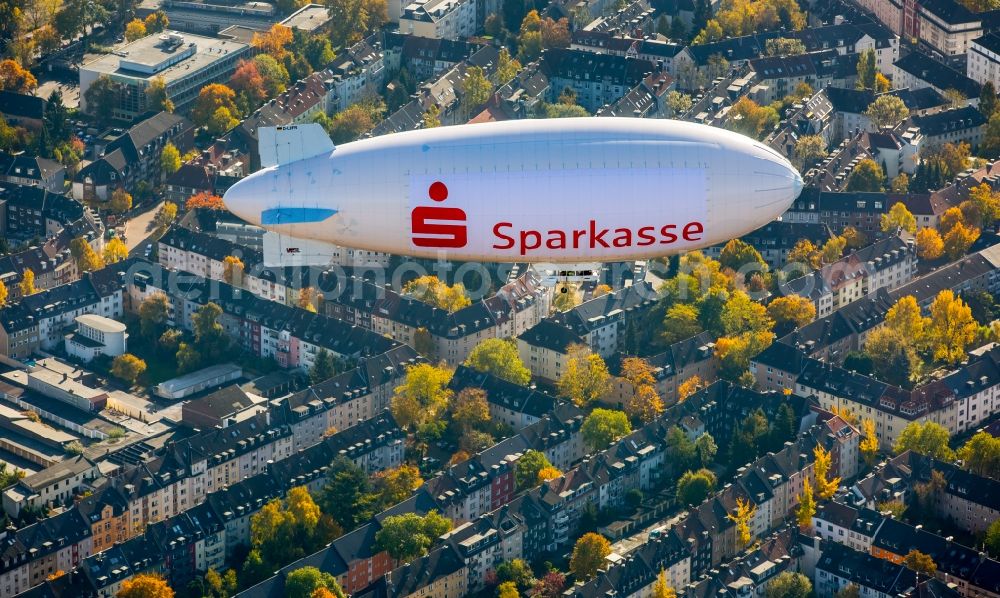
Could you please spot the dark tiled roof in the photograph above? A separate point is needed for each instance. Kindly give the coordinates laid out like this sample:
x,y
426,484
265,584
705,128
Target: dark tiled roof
x,y
940,76
22,105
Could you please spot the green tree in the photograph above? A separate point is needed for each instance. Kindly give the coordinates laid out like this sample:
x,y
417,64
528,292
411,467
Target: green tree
x,y
887,111
789,585
302,583
507,67
157,98
352,20
588,555
737,254
499,357
695,486
992,540
517,572
809,149
101,99
678,102
705,449
324,367
604,426
866,176
680,322
528,466
474,90
742,315
867,70
927,438
347,495
981,455
680,449
408,536
988,102
784,46
153,313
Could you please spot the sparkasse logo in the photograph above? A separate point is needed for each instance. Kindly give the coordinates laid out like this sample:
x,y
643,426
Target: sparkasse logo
x,y
437,226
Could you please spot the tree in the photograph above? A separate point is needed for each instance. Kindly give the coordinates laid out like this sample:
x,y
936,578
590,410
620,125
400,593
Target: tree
x,y
274,76
833,249
744,512
737,254
867,70
644,402
951,327
981,455
347,495
517,572
784,46
423,396
430,289
210,99
145,585
156,22
499,357
992,540
470,409
680,449
688,388
866,176
408,536
807,507
475,89
121,201
660,587
920,562
222,120
882,83
232,270
751,119
273,41
792,309
3,294
825,486
927,438
135,29
555,34
988,99
204,200
804,252
711,33
900,184
680,323
604,426
887,111
115,251
585,379
507,589
170,159
248,84
955,98
906,318
550,585
352,20
166,215
789,584
678,102
528,467
323,368
809,149
958,240
742,315
87,259
695,486
869,441
15,78
305,582
153,313
507,67
930,246
432,117
588,555
705,449
987,204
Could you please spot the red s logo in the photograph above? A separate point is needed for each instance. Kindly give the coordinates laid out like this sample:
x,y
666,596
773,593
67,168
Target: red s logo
x,y
429,224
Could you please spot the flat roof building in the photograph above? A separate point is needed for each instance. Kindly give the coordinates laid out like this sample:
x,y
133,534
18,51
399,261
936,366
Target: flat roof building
x,y
195,382
186,62
96,335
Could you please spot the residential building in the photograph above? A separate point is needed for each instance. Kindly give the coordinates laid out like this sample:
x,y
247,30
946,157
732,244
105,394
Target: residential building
x,y
33,171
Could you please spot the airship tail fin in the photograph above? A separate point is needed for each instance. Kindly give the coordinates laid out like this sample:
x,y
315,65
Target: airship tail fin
x,y
282,145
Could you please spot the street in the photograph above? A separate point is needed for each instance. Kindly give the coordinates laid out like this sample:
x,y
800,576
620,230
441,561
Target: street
x,y
138,228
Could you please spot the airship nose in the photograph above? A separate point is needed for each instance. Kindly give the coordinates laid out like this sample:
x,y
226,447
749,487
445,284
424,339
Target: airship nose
x,y
244,199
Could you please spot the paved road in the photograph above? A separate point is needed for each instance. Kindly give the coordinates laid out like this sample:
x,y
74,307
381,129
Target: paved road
x,y
140,226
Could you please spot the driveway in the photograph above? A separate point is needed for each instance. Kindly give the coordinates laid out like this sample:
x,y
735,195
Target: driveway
x,y
140,226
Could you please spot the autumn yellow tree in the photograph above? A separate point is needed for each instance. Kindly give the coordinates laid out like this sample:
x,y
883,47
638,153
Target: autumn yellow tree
x,y
121,201
930,246
145,585
951,328
661,589
273,41
688,388
87,259
869,442
793,309
906,318
825,487
588,555
741,516
807,507
958,239
430,289
27,284
127,367
115,251
644,402
586,377
898,217
423,396
232,270
3,294
203,200
135,29
211,98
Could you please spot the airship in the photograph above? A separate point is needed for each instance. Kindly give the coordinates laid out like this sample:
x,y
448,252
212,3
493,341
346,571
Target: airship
x,y
559,191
